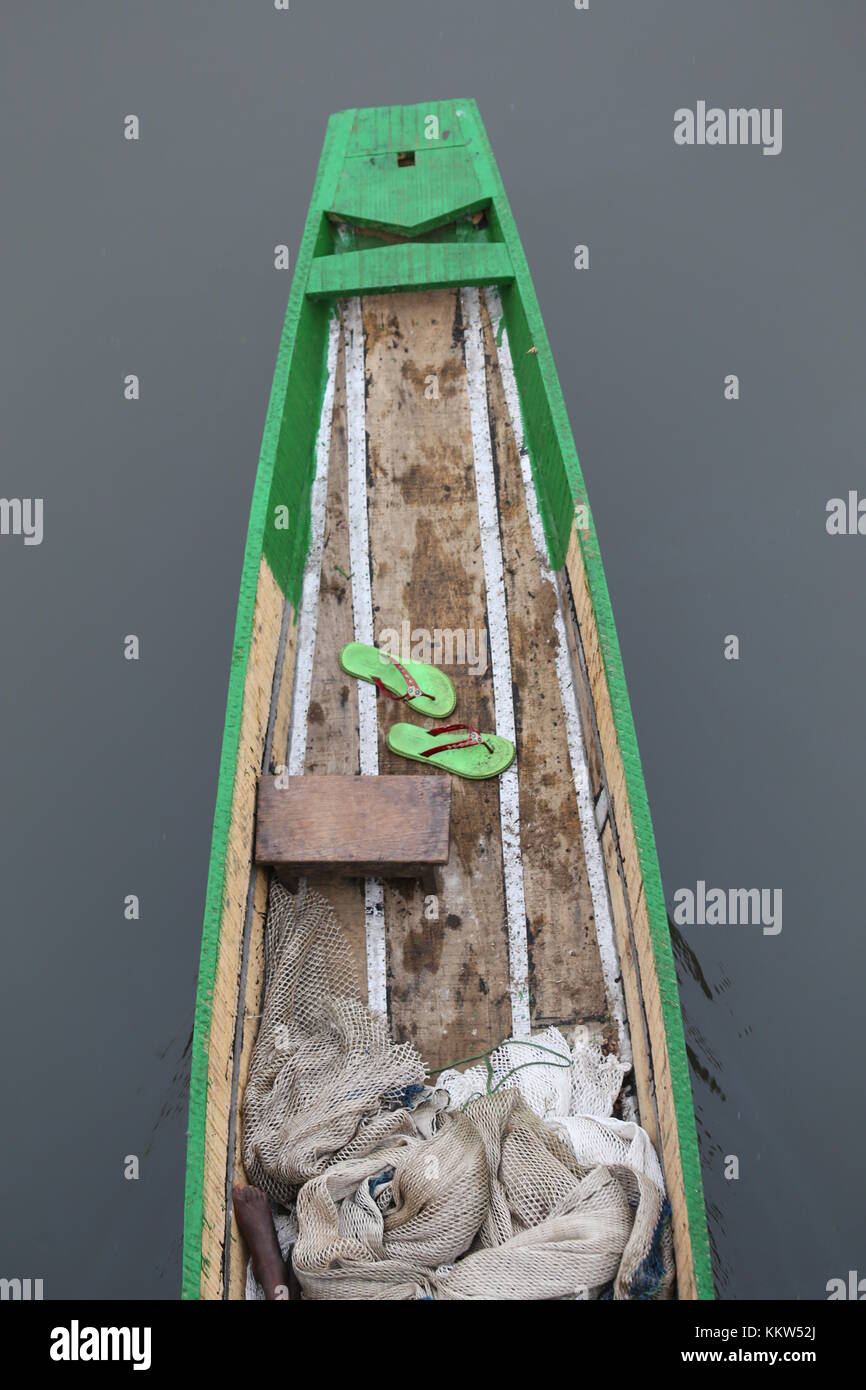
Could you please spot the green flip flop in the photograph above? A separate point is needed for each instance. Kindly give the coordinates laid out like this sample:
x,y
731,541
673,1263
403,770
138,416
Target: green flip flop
x,y
477,755
426,689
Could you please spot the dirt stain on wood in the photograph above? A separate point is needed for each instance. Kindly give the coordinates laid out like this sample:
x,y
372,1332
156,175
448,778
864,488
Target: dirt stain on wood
x,y
448,976
332,726
566,979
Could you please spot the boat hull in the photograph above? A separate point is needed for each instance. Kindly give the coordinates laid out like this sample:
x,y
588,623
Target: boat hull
x,y
411,282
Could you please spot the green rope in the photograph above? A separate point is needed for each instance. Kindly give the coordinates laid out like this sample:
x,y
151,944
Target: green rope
x,y
562,1063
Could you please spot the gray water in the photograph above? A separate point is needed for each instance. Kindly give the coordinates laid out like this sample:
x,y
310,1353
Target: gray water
x,y
156,258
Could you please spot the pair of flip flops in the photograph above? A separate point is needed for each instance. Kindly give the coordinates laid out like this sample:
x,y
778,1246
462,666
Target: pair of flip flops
x,y
428,691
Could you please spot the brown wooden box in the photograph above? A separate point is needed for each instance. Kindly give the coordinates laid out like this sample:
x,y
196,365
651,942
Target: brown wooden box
x,y
391,826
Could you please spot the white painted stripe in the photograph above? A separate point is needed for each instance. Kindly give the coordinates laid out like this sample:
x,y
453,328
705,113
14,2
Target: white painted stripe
x,y
500,657
577,752
362,608
309,610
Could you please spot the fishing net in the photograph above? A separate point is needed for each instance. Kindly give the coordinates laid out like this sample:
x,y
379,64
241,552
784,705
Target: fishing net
x,y
325,1081
572,1089
511,1180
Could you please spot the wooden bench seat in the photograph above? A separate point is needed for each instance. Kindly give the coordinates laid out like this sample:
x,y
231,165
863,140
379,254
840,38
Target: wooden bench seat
x,y
390,827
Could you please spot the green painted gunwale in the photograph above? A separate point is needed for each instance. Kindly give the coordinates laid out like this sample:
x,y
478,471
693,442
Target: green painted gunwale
x,y
359,179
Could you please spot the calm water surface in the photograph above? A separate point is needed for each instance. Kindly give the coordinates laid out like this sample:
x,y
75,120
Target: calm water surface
x,y
157,258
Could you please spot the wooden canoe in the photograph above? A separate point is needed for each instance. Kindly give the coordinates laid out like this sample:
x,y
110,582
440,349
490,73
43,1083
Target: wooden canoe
x,y
418,478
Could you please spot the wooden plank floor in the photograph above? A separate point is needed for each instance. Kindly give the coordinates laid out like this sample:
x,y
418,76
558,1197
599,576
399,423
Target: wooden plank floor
x,y
448,968
566,983
448,977
332,723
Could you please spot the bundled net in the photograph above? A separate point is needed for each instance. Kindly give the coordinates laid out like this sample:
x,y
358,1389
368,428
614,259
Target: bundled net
x,y
511,1180
572,1090
325,1081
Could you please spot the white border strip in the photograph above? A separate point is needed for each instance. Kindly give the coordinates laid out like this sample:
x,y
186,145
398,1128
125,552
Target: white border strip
x,y
362,608
500,656
576,750
308,616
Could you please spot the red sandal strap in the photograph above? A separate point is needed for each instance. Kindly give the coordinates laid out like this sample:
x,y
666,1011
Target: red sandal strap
x,y
474,738
413,689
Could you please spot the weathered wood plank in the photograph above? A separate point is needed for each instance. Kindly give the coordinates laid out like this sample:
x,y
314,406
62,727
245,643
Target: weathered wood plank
x,y
631,989
566,979
643,954
353,825
594,760
252,1005
332,728
448,958
258,690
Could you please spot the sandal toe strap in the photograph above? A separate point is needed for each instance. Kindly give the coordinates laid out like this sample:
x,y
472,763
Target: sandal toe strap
x,y
473,737
413,689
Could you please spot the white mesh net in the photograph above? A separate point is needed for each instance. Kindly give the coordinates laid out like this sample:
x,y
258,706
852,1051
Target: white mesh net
x,y
325,1081
512,1180
573,1089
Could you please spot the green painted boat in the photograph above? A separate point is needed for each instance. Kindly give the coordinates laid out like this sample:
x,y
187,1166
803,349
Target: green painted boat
x,y
418,488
